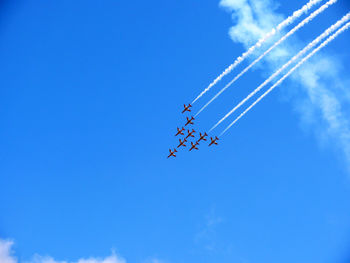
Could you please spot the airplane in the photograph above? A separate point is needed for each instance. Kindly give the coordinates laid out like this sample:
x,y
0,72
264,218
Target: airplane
x,y
202,137
182,143
213,141
190,134
180,131
172,153
194,146
189,121
187,108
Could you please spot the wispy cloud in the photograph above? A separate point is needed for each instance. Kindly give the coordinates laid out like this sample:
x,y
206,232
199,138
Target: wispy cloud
x,y
319,98
207,235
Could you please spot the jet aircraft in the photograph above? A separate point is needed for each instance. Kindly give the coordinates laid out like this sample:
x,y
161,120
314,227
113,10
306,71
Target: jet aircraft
x,y
213,141
194,146
182,143
187,108
190,134
189,121
202,137
172,153
180,131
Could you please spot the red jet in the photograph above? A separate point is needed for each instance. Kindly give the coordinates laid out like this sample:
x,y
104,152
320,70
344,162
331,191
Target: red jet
x,y
202,137
189,121
190,134
187,108
182,143
172,153
194,146
180,131
214,141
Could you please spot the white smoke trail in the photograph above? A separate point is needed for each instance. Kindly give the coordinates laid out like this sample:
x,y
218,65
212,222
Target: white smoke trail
x,y
282,39
311,45
325,43
283,24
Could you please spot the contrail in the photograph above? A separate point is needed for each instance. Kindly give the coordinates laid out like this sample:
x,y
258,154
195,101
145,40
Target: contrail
x,y
282,39
311,45
325,43
282,25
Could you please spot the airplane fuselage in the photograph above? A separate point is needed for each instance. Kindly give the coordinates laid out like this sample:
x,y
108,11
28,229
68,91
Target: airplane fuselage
x,y
213,142
189,121
179,132
202,138
190,135
172,154
181,144
194,146
187,108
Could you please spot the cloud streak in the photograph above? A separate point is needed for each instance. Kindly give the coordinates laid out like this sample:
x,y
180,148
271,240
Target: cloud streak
x,y
301,53
279,27
325,43
320,90
276,44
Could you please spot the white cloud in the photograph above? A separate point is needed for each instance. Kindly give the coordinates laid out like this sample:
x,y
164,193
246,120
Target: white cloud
x,y
5,252
324,94
6,256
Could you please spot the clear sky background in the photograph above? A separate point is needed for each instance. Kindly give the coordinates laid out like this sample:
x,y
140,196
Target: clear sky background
x,y
91,94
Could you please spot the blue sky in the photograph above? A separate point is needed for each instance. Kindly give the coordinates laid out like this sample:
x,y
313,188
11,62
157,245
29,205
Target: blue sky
x,y
91,94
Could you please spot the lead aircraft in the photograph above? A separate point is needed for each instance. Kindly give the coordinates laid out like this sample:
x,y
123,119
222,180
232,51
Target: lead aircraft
x,y
187,108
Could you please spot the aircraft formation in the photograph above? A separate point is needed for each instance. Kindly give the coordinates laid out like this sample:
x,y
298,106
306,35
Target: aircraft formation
x,y
283,72
187,134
